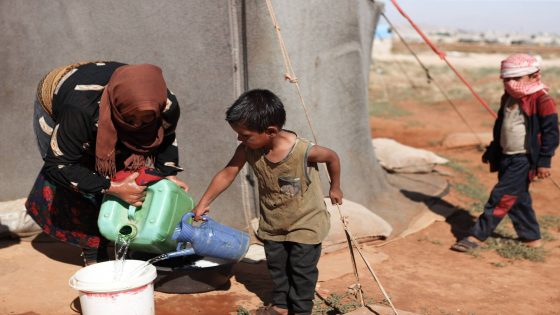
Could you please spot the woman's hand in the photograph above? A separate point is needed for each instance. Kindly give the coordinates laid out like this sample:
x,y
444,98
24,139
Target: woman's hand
x,y
179,182
128,190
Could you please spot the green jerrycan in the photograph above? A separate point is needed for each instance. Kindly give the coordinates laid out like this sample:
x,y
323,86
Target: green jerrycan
x,y
150,226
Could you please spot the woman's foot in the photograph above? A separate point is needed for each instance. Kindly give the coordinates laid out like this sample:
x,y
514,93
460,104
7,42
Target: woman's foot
x,y
90,256
271,310
94,255
466,244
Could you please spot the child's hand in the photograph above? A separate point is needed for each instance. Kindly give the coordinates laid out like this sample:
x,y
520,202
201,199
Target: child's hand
x,y
543,172
336,195
199,211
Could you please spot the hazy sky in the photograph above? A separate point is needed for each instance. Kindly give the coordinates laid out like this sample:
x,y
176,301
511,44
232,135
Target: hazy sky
x,y
524,16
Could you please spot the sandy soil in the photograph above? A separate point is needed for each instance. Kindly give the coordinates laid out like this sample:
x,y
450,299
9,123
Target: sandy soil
x,y
419,271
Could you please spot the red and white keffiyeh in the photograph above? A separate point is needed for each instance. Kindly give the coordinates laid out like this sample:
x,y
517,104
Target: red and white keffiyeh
x,y
519,65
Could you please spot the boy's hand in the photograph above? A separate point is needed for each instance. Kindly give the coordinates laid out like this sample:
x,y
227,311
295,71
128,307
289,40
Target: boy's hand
x,y
336,195
199,211
543,172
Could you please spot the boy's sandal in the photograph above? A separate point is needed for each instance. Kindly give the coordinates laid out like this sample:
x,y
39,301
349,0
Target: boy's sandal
x,y
268,310
532,243
464,245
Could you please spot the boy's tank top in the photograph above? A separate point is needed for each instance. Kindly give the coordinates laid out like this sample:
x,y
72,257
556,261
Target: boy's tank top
x,y
291,201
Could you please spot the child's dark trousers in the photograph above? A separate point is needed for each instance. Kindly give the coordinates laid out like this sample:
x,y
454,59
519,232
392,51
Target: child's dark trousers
x,y
293,269
510,196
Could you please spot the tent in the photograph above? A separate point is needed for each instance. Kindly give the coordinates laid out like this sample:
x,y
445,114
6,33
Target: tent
x,y
210,52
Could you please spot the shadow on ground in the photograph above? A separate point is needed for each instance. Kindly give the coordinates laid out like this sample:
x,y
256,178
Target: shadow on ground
x,y
57,250
9,241
255,278
458,218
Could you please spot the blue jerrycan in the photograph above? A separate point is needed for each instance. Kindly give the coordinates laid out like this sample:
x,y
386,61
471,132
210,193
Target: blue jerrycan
x,y
210,239
151,226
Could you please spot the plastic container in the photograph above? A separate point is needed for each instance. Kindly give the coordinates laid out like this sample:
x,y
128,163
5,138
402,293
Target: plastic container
x,y
150,226
210,239
190,274
101,294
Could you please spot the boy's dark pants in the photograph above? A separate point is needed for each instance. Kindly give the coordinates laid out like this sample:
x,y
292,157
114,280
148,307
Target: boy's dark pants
x,y
510,196
293,269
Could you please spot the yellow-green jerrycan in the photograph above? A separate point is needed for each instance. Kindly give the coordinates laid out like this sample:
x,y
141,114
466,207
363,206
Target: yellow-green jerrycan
x,y
150,226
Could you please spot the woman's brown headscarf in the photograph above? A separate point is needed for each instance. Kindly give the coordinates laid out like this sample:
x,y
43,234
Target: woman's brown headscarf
x,y
131,89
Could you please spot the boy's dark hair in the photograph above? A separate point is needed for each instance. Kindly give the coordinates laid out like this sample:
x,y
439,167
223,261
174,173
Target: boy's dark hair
x,y
257,110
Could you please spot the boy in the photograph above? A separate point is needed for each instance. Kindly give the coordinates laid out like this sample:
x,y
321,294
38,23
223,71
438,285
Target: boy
x,y
525,138
294,220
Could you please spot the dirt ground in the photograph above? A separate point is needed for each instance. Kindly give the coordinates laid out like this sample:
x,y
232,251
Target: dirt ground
x,y
424,276
419,272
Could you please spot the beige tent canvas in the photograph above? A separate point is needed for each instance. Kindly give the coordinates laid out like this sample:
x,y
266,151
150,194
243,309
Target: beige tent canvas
x,y
210,52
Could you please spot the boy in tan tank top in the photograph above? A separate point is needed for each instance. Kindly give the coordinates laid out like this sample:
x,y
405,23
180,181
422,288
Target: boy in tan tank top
x,y
293,216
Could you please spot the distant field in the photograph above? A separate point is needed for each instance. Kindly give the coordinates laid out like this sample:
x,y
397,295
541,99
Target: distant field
x,y
545,51
395,82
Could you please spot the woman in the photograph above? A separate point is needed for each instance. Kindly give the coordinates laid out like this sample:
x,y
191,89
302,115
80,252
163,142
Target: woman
x,y
91,120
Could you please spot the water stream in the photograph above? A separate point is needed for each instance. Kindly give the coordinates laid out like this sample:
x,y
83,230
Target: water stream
x,y
122,244
121,248
147,263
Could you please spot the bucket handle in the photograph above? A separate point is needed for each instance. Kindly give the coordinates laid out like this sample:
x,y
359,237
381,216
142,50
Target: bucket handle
x,y
72,282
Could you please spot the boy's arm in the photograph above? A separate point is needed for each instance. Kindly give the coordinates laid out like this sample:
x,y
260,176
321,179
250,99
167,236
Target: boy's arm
x,y
319,154
220,182
548,119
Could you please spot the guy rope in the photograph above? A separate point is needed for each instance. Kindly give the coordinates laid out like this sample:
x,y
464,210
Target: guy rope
x,y
433,80
290,76
442,55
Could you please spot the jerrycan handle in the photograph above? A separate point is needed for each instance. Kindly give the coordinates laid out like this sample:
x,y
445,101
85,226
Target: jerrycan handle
x,y
184,230
188,218
131,212
145,177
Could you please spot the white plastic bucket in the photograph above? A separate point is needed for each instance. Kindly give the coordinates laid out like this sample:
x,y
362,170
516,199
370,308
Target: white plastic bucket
x,y
101,294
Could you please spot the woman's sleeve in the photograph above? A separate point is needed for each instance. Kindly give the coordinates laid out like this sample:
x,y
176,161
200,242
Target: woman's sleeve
x,y
167,157
70,139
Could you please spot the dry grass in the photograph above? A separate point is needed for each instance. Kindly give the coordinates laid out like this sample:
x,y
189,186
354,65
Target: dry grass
x,y
546,51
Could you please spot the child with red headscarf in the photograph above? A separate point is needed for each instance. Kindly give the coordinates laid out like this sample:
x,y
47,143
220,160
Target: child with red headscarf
x,y
525,138
93,119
